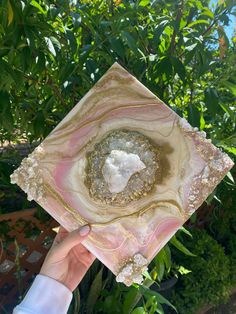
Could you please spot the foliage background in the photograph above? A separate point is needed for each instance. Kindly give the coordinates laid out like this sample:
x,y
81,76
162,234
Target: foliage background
x,y
51,54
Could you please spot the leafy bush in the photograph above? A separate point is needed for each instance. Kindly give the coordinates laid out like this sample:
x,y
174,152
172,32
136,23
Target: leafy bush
x,y
52,53
223,223
209,281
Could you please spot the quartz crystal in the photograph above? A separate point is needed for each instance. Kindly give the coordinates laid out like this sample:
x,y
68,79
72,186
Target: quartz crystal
x,y
124,162
119,166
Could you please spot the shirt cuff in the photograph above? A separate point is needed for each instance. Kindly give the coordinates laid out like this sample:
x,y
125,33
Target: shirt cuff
x,y
46,295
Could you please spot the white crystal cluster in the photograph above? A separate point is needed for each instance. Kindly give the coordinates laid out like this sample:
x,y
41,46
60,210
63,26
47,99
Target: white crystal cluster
x,y
132,271
217,162
119,167
183,123
29,177
206,181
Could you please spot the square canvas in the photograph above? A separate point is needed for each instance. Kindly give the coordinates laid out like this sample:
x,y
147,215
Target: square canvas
x,y
124,162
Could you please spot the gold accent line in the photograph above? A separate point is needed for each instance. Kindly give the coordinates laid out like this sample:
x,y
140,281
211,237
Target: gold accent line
x,y
49,189
100,224
100,119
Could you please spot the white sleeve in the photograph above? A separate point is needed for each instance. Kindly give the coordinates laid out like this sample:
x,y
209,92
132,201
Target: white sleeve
x,y
45,296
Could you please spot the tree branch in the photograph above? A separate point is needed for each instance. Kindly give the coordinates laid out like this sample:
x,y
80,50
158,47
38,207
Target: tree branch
x,y
213,23
178,19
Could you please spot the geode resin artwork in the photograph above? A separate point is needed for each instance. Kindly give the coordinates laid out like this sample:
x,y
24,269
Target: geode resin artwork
x,y
128,165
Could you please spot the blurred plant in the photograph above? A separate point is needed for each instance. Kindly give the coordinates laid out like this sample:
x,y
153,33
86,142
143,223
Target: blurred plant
x,y
11,197
52,53
222,225
208,279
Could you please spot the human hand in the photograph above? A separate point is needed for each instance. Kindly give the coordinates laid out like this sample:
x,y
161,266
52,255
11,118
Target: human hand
x,y
68,260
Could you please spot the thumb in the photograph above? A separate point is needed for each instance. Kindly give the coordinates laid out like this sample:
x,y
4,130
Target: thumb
x,y
73,239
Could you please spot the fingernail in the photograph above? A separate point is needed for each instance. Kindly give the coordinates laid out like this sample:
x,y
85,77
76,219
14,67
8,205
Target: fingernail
x,y
84,230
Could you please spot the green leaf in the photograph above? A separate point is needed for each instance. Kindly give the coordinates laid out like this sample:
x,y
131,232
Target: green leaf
x,y
131,299
193,115
162,261
150,302
199,22
66,71
55,42
207,12
73,43
202,121
164,66
198,4
193,217
144,3
166,257
210,197
26,58
117,46
228,148
159,309
50,46
76,303
231,86
218,200
160,269
6,117
159,29
230,140
39,66
228,110
10,13
129,40
94,292
191,47
146,291
229,175
139,310
179,68
30,37
212,100
38,6
39,124
174,241
184,271
147,275
185,231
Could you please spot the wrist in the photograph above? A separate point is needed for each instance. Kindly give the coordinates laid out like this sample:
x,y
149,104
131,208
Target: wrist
x,y
46,295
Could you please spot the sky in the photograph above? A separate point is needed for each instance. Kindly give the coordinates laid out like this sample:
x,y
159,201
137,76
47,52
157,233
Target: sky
x,y
232,24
